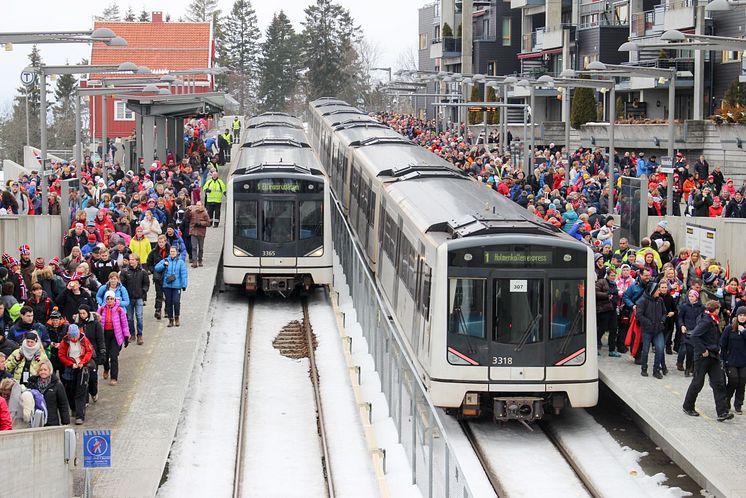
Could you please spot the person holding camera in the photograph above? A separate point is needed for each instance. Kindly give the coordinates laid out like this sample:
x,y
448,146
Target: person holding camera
x,y
704,338
175,280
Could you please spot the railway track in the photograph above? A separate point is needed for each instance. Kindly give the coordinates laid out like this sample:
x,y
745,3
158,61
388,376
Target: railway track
x,y
496,448
295,340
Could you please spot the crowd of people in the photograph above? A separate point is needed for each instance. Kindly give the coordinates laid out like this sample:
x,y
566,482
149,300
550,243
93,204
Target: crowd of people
x,y
675,301
131,237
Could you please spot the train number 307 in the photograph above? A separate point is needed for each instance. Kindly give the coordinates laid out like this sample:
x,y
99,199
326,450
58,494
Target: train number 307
x,y
269,253
502,360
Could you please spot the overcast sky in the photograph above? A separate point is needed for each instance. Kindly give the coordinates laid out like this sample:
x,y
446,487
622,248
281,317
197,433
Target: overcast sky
x,y
391,25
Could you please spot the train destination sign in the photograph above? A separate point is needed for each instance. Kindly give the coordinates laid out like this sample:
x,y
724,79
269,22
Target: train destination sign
x,y
510,258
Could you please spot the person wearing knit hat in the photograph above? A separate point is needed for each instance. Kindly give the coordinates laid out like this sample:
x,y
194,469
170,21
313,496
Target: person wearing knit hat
x,y
733,351
76,354
39,263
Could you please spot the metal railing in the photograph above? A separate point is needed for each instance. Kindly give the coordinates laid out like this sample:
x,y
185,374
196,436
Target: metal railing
x,y
679,4
649,21
681,64
434,468
485,37
534,41
451,45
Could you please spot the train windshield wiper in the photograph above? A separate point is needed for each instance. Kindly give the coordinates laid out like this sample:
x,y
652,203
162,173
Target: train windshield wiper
x,y
527,332
571,332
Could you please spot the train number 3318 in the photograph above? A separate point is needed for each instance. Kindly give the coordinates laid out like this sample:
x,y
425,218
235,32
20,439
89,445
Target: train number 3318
x,y
502,360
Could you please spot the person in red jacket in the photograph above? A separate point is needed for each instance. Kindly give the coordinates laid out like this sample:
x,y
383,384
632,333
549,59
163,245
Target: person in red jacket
x,y
6,421
75,354
716,209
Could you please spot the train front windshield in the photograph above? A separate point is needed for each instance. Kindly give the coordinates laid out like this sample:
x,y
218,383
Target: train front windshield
x,y
278,217
522,306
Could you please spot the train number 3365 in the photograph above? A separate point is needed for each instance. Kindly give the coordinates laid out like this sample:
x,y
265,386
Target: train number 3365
x,y
268,253
502,360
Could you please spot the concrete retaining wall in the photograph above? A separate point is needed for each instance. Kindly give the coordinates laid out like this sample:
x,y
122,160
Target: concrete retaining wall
x,y
42,233
34,463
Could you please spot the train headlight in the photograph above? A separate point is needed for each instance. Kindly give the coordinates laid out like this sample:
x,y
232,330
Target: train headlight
x,y
319,251
237,251
578,360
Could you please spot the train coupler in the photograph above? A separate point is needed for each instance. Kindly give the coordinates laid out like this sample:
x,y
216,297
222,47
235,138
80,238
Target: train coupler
x,y
522,409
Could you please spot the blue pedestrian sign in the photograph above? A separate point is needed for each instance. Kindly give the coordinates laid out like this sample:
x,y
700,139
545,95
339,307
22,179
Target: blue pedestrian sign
x,y
96,449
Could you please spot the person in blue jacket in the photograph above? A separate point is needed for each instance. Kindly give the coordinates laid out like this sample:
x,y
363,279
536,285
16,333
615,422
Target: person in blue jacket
x,y
120,291
733,351
634,292
175,280
174,240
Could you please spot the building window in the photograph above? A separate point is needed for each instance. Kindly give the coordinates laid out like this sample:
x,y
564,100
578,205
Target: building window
x,y
121,113
731,56
492,68
486,29
507,31
423,41
436,36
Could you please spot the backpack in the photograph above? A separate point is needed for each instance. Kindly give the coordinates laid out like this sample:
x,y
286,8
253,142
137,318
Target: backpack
x,y
40,409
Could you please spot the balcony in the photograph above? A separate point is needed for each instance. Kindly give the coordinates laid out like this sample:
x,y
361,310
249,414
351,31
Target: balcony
x,y
533,42
484,37
681,64
519,4
451,47
648,22
679,14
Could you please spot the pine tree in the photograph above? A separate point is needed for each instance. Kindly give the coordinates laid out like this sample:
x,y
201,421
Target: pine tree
x,y
279,65
493,117
735,95
129,16
241,41
201,10
329,37
110,13
144,16
447,31
583,108
474,116
62,134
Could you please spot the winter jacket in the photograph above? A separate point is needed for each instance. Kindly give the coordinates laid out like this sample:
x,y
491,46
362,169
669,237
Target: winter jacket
x,y
86,351
120,292
689,314
702,205
155,257
151,229
177,242
69,303
6,421
733,345
735,209
102,269
7,346
705,337
94,331
20,328
70,264
199,220
58,407
175,267
651,312
42,307
136,281
633,293
119,321
74,239
603,302
141,247
16,366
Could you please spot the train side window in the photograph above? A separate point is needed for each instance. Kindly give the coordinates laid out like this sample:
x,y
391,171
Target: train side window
x,y
567,311
245,215
372,209
425,290
278,225
466,307
311,215
382,224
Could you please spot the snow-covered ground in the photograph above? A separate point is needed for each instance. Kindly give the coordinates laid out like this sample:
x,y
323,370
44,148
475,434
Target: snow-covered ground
x,y
614,469
283,454
201,461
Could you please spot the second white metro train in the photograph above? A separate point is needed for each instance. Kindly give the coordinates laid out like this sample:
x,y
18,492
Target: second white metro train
x,y
496,305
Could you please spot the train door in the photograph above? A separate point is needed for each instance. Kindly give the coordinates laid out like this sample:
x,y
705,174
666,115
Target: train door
x,y
278,230
518,325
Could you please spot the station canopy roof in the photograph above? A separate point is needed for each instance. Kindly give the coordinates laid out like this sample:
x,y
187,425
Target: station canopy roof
x,y
179,106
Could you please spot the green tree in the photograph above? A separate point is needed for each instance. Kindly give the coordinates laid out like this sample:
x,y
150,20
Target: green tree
x,y
129,16
110,13
144,16
735,95
241,41
474,116
493,117
201,10
279,65
329,55
63,113
447,30
583,109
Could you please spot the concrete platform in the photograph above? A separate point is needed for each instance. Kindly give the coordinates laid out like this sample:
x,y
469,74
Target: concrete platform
x,y
711,452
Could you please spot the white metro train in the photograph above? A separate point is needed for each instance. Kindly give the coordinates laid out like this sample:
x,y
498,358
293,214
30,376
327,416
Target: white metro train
x,y
496,305
278,230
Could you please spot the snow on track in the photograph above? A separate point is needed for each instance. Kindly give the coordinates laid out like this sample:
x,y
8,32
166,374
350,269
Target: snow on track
x,y
283,455
613,469
201,458
526,463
